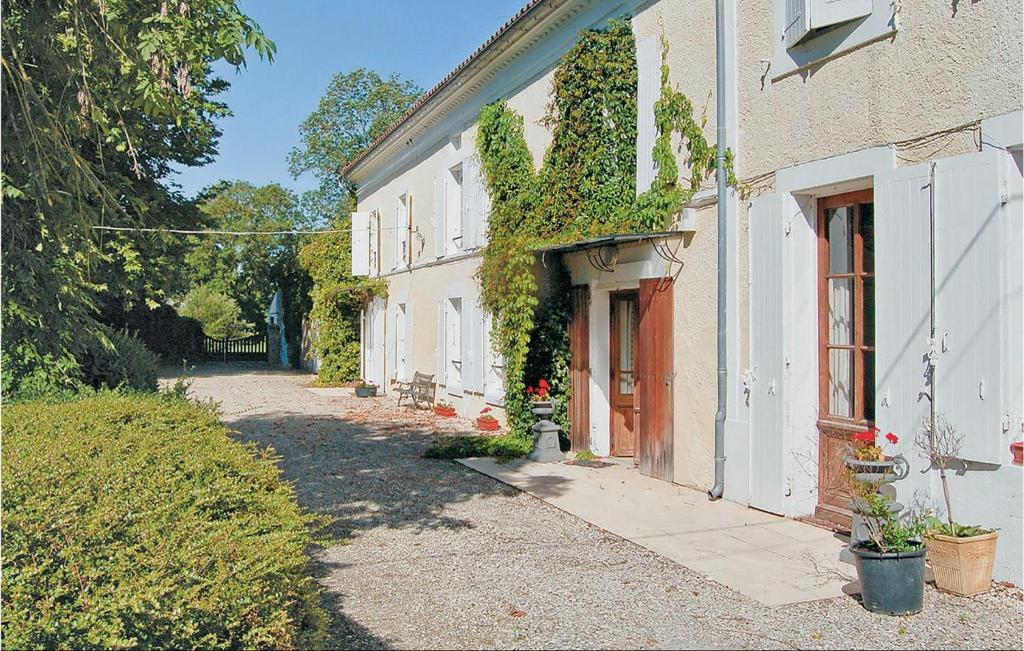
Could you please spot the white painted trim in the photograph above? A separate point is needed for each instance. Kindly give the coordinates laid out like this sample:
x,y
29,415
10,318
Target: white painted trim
x,y
831,175
1003,131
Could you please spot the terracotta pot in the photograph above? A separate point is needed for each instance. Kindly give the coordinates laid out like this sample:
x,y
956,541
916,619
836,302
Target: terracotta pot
x,y
447,412
962,566
487,425
1017,448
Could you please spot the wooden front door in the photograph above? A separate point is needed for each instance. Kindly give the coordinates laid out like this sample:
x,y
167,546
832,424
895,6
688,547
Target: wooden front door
x,y
846,340
579,369
624,319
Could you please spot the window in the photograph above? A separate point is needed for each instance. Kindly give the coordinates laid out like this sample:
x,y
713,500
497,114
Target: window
x,y
453,345
494,367
403,225
453,210
846,307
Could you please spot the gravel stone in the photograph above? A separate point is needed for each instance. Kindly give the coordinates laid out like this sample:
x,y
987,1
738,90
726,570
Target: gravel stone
x,y
430,554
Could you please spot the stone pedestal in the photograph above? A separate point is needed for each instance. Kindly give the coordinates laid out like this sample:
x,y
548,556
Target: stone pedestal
x,y
546,448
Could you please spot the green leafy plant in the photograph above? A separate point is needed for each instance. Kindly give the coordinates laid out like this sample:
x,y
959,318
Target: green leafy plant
x,y
137,521
505,446
115,360
586,187
889,532
219,313
585,455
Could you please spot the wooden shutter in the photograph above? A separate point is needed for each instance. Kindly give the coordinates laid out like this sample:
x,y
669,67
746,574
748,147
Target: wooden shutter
x,y
579,369
978,279
648,61
408,342
439,187
470,202
360,225
766,352
655,379
439,351
823,13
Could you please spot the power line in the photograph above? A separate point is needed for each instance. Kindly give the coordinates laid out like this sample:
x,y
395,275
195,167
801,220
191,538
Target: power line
x,y
219,232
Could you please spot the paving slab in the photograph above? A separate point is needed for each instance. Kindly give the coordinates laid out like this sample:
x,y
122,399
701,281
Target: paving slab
x,y
768,558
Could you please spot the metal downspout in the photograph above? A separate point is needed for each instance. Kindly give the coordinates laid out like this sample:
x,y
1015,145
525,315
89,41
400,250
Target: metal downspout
x,y
719,488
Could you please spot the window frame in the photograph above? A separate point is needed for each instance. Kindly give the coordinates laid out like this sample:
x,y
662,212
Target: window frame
x,y
858,420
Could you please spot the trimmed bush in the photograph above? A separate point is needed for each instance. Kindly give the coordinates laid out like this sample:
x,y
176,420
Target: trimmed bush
x,y
137,521
507,446
169,335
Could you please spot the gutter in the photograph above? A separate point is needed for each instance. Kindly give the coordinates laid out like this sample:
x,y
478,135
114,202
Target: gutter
x,y
723,372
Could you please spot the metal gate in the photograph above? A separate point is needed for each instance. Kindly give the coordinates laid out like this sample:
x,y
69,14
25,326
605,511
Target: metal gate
x,y
244,349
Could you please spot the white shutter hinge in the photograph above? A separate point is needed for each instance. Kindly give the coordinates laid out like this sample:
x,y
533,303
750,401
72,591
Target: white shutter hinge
x,y
771,387
981,389
885,401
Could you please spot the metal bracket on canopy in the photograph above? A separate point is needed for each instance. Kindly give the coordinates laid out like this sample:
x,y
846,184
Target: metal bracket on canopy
x,y
596,261
665,253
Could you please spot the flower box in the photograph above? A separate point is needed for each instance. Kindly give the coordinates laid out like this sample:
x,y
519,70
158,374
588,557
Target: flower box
x,y
487,424
446,411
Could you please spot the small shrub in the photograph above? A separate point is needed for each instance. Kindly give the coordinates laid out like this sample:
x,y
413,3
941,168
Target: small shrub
x,y
219,313
135,521
169,335
585,455
507,446
117,360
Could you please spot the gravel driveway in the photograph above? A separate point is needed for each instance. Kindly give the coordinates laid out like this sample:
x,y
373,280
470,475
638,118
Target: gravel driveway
x,y
434,555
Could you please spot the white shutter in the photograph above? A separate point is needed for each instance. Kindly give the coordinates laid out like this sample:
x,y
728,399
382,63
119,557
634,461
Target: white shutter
x,y
479,346
767,332
902,308
648,61
797,21
360,225
397,235
391,333
468,345
441,343
374,233
823,13
978,278
379,356
470,203
408,342
439,188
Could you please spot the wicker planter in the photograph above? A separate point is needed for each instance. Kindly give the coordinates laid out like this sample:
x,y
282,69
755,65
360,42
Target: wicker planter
x,y
446,412
962,566
487,424
366,392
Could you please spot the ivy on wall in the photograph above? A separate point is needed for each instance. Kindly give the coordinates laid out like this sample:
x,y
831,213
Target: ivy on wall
x,y
337,298
586,187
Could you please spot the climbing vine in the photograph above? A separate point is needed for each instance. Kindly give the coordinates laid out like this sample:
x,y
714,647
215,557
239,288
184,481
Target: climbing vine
x,y
586,187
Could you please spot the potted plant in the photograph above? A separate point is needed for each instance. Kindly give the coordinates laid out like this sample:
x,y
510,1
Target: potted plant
x,y
366,389
869,463
485,421
1017,450
890,564
541,403
961,556
445,409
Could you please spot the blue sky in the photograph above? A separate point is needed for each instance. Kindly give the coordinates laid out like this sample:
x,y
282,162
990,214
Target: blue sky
x,y
421,40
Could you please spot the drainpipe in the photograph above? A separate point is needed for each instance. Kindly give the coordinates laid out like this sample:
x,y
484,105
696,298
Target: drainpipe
x,y
719,487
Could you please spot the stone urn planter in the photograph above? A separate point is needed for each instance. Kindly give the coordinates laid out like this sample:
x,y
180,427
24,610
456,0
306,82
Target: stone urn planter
x,y
542,408
891,583
546,447
962,566
884,471
366,391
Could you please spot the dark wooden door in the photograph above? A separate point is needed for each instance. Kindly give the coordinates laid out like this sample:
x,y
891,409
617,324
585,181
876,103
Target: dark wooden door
x,y
654,379
579,369
623,323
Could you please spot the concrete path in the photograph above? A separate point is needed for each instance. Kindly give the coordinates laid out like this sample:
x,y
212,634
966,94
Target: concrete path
x,y
767,558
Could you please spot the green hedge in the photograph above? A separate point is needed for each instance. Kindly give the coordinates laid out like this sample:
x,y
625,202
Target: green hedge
x,y
506,446
137,521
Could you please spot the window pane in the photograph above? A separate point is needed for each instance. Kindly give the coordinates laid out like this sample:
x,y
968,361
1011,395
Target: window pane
x,y
867,231
626,346
869,311
840,383
840,240
840,311
869,385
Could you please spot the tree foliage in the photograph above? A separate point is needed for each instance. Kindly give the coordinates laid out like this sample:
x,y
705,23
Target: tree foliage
x,y
250,268
219,313
100,99
356,108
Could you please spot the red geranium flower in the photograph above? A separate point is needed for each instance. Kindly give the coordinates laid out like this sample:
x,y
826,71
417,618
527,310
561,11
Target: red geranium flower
x,y
866,436
892,438
543,384
529,390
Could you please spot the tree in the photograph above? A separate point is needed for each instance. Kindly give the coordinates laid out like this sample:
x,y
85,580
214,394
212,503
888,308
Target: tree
x,y
356,108
250,268
219,313
100,99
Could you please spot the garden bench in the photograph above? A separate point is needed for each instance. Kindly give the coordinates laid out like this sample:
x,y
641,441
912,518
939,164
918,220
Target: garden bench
x,y
421,389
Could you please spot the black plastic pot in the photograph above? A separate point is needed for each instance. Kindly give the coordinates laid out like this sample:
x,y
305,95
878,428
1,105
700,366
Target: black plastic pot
x,y
366,392
890,583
